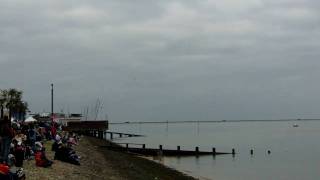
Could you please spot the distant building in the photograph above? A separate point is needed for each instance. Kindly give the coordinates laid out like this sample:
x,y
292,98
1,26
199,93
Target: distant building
x,y
57,117
70,118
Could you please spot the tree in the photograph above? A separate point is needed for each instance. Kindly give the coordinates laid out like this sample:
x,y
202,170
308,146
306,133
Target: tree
x,y
12,100
21,108
3,101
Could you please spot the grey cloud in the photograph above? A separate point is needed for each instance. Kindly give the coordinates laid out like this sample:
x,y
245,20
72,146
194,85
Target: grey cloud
x,y
164,60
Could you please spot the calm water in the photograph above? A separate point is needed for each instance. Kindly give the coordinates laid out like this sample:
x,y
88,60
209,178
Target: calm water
x,y
295,151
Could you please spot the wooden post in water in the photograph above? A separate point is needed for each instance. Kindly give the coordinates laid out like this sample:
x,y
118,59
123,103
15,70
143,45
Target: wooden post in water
x,y
197,150
178,148
233,151
143,146
251,151
120,135
111,135
127,146
160,153
214,151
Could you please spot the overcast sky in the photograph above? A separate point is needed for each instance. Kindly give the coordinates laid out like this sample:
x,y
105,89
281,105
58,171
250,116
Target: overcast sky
x,y
165,59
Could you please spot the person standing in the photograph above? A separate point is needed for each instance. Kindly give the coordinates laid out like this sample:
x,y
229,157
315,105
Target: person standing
x,y
6,132
32,136
53,130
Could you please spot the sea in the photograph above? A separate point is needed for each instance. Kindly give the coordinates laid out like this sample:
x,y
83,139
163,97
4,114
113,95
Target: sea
x,y
294,148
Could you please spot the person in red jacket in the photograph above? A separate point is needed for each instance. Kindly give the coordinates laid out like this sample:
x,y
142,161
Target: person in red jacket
x,y
40,157
53,130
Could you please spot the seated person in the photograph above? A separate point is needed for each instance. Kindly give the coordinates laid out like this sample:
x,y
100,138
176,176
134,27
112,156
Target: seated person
x,y
16,173
7,173
19,152
72,141
66,154
28,153
40,156
55,146
4,172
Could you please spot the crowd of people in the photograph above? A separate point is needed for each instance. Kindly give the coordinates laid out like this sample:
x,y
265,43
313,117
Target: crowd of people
x,y
21,141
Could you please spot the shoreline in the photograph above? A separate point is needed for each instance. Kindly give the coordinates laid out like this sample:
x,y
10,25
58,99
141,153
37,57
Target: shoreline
x,y
141,167
99,163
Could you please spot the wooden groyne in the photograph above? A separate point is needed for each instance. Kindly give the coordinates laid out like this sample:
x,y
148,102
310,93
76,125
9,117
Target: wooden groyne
x,y
122,134
125,147
160,151
109,134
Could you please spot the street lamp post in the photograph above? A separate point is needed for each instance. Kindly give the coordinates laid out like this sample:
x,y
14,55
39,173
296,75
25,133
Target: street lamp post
x,y
52,103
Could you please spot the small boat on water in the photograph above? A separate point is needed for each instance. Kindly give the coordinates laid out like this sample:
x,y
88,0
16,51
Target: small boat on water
x,y
295,125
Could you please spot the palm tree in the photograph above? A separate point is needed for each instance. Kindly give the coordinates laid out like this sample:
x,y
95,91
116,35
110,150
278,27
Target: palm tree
x,y
13,101
3,101
21,108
